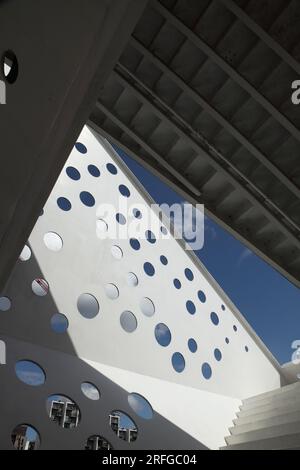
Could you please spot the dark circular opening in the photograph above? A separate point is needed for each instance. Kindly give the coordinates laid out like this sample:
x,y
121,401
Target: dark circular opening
x,y
9,67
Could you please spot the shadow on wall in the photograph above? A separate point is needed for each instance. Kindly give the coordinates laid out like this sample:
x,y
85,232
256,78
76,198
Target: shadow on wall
x,y
26,329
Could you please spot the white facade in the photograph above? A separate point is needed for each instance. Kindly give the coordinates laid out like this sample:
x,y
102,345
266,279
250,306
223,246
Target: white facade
x,y
190,411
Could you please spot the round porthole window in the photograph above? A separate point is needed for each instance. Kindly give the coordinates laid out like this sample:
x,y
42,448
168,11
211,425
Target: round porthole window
x,y
140,406
40,287
25,254
53,241
25,437
90,391
162,335
30,373
88,306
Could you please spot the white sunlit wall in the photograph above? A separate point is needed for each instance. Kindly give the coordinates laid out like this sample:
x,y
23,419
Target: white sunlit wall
x,y
123,342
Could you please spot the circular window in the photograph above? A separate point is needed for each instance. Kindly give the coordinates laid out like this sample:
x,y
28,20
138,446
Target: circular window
x,y
223,307
190,306
177,283
64,204
25,254
59,323
137,213
192,345
235,328
94,171
25,437
124,190
135,244
163,260
90,391
149,269
97,443
128,321
5,304
214,318
112,291
111,169
123,426
10,67
217,354
188,274
132,280
88,306
63,411
162,334
40,287
140,406
150,237
246,349
201,296
80,147
87,199
147,307
163,230
30,373
121,219
227,340
73,173
178,362
101,227
116,252
53,241
206,371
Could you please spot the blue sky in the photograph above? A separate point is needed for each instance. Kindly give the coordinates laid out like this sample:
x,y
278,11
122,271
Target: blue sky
x,y
269,302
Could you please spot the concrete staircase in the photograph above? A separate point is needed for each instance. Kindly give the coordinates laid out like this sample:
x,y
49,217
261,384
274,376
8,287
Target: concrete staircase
x,y
268,421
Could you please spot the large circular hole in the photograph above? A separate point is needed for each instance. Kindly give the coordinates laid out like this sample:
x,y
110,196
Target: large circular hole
x,y
88,306
111,291
73,173
97,443
162,334
53,241
25,437
10,66
178,362
25,254
123,426
140,406
63,411
149,269
214,318
132,279
59,323
5,304
206,371
116,252
128,321
30,373
40,287
147,307
90,391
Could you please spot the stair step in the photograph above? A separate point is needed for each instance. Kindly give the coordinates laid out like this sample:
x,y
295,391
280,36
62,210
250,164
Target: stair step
x,y
278,397
276,408
289,442
252,425
275,392
265,433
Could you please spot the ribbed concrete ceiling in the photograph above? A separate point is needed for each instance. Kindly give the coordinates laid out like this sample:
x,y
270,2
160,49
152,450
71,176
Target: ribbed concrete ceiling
x,y
202,96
